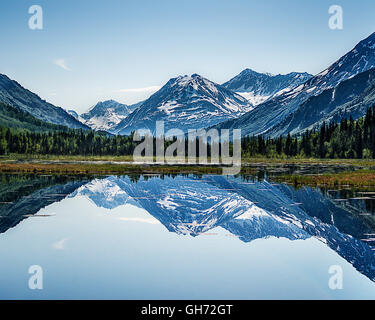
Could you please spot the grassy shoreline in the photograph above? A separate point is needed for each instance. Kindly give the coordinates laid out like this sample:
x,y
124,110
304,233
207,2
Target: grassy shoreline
x,y
245,161
129,158
362,176
109,168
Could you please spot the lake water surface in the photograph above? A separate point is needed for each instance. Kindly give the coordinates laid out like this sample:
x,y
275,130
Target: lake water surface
x,y
183,237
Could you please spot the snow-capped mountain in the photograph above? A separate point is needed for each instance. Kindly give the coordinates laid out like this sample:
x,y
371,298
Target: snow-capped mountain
x,y
259,87
186,102
107,115
12,93
269,114
351,97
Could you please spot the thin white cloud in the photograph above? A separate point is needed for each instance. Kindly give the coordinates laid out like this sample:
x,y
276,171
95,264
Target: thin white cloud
x,y
140,90
60,245
62,64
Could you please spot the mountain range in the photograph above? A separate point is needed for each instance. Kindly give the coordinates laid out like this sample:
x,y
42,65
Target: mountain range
x,y
186,102
256,103
276,105
268,115
260,87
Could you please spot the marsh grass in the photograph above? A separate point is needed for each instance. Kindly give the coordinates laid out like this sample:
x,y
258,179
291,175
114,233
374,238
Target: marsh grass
x,y
359,178
85,165
245,160
108,168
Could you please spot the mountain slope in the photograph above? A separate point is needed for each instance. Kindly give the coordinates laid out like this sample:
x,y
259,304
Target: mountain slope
x,y
351,97
269,114
11,117
186,102
259,87
12,93
107,114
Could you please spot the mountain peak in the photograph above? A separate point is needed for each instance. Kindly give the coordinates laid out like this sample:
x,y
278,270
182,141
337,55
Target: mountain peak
x,y
250,72
186,102
105,105
192,87
260,87
105,115
185,80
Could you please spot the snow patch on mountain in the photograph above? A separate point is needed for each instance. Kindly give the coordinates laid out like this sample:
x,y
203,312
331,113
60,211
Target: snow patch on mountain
x,y
254,99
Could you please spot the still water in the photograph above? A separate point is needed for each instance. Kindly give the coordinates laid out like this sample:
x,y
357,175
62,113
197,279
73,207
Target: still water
x,y
183,237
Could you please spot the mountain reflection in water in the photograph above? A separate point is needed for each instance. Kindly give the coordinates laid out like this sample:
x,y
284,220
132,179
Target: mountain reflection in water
x,y
192,206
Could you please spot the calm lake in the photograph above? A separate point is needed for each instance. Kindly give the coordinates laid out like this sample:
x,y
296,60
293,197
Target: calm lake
x,y
184,237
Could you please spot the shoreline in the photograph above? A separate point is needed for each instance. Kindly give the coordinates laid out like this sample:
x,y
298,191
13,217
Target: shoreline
x,y
129,160
355,173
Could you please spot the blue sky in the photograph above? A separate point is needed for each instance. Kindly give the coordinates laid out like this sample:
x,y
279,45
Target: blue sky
x,y
95,50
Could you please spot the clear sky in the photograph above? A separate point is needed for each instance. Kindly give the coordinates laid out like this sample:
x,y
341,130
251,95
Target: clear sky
x,y
95,50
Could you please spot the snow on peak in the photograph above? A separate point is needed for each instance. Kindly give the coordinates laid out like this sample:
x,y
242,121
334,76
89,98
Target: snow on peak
x,y
187,102
260,87
105,115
